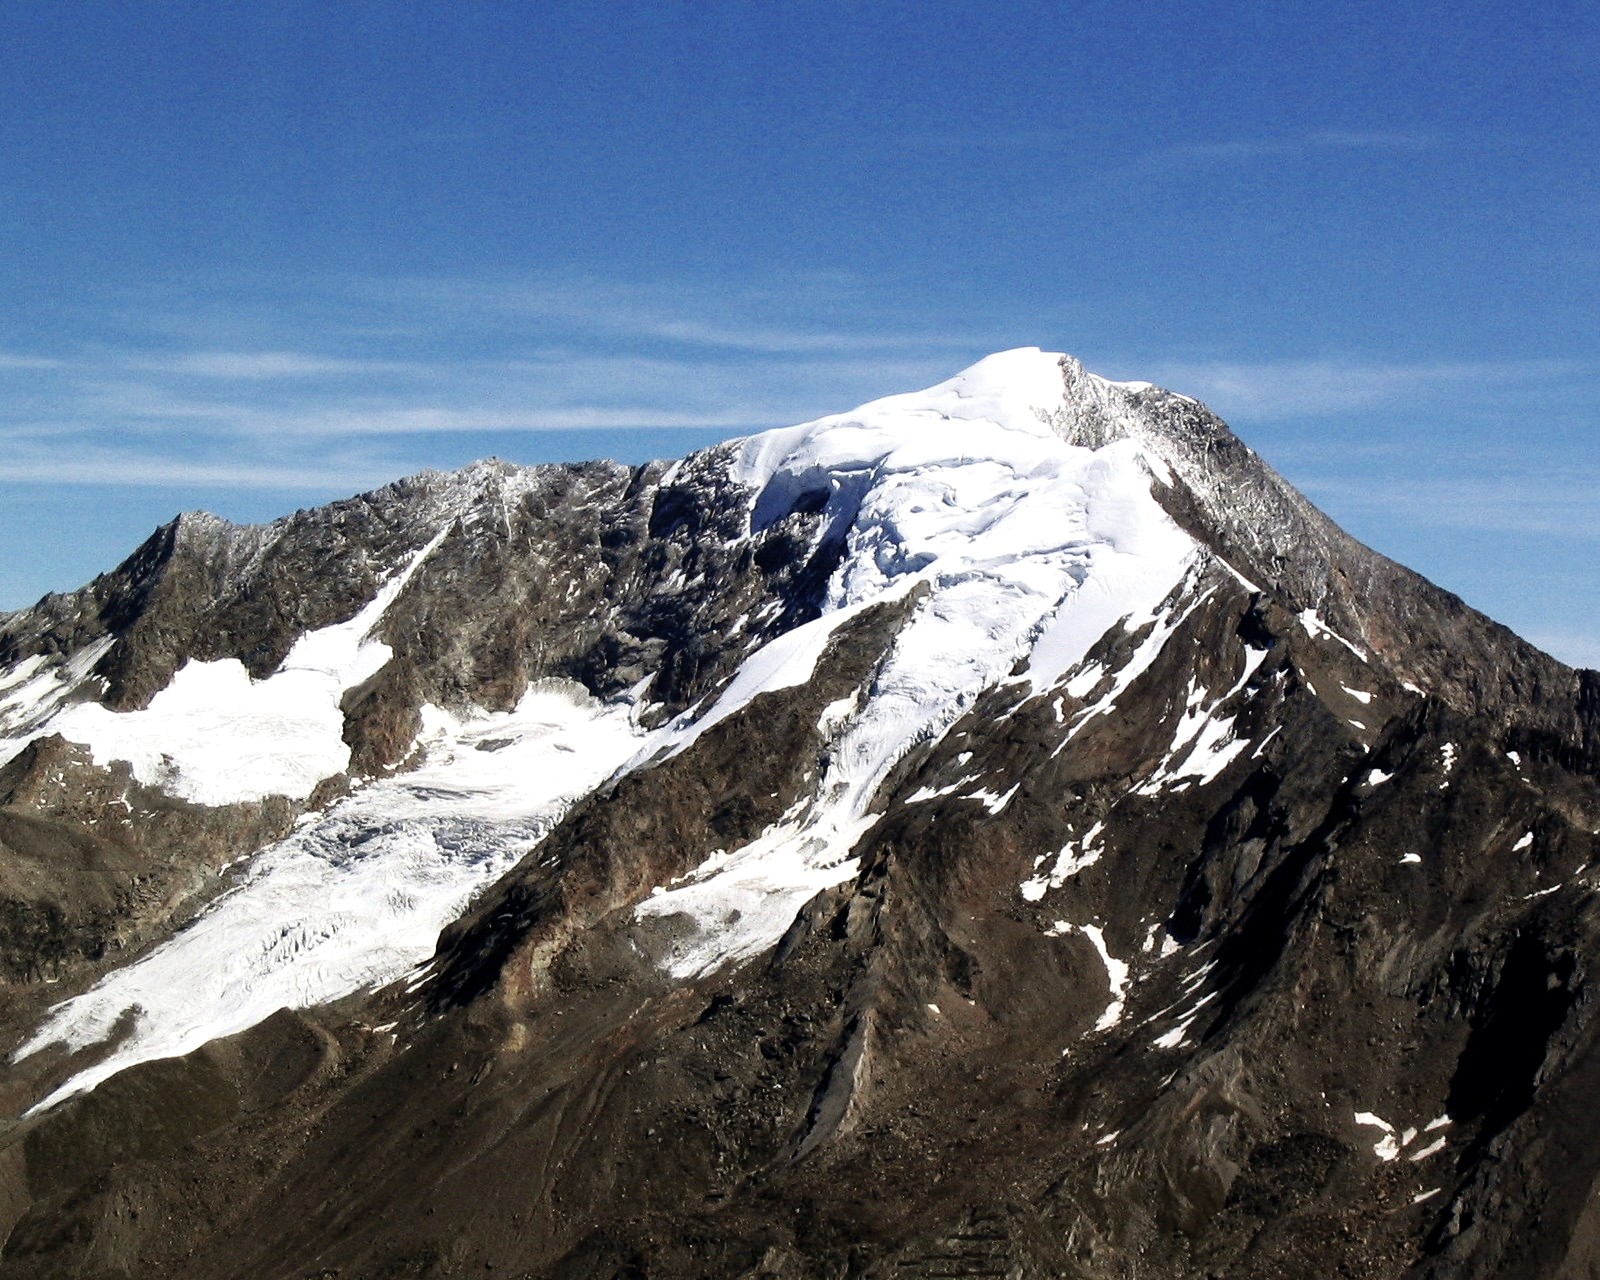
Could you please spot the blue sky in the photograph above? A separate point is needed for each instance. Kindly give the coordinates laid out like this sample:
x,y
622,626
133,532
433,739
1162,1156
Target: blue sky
x,y
260,256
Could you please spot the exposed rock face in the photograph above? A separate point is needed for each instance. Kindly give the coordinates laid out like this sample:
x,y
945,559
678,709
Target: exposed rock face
x,y
95,863
1004,831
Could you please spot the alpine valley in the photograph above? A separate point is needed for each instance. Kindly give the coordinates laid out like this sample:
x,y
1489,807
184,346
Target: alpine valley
x,y
1003,830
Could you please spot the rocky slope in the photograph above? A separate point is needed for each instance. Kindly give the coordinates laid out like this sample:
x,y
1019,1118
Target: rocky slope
x,y
1003,830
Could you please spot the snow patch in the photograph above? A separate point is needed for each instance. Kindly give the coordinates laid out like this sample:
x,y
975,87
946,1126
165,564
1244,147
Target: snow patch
x,y
1164,623
835,714
933,793
1315,627
1388,1146
32,693
1083,684
1116,975
356,897
1075,855
1204,741
1172,1039
784,662
994,801
1117,972
1262,745
214,736
1394,1143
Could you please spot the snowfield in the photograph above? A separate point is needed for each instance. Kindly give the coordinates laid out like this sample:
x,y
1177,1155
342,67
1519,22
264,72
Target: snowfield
x,y
214,736
357,895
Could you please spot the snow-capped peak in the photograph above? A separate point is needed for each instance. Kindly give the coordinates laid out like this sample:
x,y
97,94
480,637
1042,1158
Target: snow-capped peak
x,y
1028,549
1009,389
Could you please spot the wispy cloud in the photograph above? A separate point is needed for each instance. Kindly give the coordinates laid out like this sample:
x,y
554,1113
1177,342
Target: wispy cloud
x,y
1064,144
123,468
1563,504
709,318
1317,388
252,365
1235,150
446,420
12,360
551,391
786,342
262,391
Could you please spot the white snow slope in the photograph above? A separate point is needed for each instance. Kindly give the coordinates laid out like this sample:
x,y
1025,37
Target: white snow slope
x,y
214,736
1029,550
357,895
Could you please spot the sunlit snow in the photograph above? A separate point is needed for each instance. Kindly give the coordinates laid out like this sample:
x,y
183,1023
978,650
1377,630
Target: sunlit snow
x,y
1447,761
1172,1039
1118,972
1165,624
1316,627
215,736
32,693
1204,743
1394,1143
1027,547
1075,856
1433,1148
357,895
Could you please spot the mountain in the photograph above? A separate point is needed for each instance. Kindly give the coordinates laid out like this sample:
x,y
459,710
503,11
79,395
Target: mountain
x,y
1004,830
